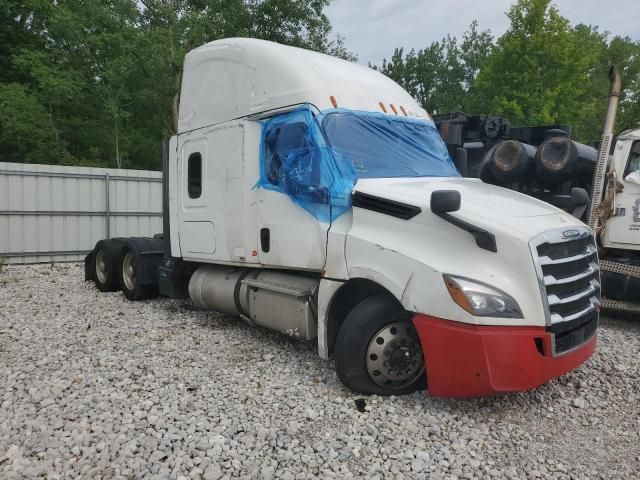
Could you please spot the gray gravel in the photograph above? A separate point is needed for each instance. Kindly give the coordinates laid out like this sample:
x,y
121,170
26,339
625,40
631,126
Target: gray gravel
x,y
95,386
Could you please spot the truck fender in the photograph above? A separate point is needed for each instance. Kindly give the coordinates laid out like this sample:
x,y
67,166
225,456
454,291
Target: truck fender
x,y
336,298
396,288
90,266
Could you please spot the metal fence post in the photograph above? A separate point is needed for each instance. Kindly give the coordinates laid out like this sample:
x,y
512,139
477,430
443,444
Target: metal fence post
x,y
107,210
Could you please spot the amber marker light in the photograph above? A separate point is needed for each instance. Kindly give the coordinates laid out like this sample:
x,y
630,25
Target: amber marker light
x,y
334,102
403,110
458,295
393,108
384,109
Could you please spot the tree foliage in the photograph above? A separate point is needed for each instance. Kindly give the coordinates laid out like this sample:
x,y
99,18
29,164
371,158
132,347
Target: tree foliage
x,y
442,75
97,82
540,71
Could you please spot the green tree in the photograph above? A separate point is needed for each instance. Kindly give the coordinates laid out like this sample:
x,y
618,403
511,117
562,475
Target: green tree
x,y
475,49
540,71
442,75
535,74
21,24
26,131
101,78
433,75
81,75
544,71
625,54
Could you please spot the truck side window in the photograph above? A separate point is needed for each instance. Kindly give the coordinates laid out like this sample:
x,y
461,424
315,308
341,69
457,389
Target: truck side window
x,y
194,175
634,159
280,141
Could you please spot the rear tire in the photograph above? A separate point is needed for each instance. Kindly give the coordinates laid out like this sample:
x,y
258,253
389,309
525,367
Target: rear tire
x,y
131,290
106,274
378,350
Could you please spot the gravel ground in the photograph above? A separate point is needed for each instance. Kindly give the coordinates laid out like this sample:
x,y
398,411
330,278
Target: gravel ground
x,y
96,387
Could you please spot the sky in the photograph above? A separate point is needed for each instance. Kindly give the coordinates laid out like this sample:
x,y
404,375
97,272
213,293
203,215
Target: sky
x,y
373,28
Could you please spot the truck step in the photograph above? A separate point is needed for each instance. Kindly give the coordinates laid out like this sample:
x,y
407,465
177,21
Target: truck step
x,y
622,268
619,305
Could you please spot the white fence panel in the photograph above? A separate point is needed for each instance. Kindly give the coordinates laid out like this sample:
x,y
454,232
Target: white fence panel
x,y
55,213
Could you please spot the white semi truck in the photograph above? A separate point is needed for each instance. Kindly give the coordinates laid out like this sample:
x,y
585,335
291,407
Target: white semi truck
x,y
314,196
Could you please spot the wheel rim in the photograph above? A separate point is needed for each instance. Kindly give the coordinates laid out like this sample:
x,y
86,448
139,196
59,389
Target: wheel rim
x,y
394,356
129,271
101,266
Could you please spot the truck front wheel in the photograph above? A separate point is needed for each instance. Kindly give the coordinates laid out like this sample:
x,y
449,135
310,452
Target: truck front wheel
x,y
378,350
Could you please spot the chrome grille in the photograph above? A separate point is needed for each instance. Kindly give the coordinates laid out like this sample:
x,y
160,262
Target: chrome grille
x,y
570,285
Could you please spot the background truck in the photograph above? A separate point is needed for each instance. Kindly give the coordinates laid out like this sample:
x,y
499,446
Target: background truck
x,y
314,196
600,187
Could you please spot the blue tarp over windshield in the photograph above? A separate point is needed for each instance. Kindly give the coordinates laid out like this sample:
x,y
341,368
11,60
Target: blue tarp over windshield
x,y
316,159
388,146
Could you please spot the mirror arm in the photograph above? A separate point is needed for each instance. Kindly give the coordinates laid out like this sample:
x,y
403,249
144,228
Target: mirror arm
x,y
484,239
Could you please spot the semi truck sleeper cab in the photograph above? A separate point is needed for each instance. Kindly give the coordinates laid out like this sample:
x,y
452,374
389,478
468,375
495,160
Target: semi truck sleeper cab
x,y
314,196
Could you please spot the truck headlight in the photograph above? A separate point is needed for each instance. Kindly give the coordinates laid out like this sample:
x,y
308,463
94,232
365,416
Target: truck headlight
x,y
480,299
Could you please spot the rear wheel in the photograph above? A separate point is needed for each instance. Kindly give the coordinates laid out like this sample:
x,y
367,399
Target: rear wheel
x,y
378,350
106,268
130,289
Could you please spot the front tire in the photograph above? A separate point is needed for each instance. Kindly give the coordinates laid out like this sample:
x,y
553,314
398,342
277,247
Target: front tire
x,y
378,350
131,290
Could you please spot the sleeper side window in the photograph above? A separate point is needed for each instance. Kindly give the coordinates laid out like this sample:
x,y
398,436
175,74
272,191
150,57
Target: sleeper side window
x,y
194,175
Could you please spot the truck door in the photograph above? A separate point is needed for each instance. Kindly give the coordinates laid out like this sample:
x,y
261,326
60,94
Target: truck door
x,y
625,226
290,237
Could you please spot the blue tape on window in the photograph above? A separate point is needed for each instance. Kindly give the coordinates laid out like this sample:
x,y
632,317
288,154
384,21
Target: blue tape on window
x,y
316,159
388,146
295,160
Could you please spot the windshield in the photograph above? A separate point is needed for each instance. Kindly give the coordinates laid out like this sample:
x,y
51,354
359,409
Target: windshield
x,y
381,146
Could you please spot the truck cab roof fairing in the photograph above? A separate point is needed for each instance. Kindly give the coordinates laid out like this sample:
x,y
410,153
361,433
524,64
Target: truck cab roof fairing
x,y
237,77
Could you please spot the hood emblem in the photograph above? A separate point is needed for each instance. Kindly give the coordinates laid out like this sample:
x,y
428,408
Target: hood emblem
x,y
570,234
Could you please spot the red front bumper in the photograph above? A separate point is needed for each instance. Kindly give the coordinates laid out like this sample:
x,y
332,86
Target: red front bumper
x,y
470,361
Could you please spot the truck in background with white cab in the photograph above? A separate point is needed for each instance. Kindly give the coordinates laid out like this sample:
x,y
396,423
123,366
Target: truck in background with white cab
x,y
314,196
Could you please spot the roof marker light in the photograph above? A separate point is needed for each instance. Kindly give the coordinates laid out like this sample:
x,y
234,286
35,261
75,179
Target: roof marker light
x,y
334,102
393,108
384,109
403,110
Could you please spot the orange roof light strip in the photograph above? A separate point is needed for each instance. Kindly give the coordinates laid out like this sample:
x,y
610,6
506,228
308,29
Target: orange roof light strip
x,y
403,110
384,109
393,108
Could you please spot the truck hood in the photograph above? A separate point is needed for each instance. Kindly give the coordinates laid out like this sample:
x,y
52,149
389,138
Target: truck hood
x,y
482,204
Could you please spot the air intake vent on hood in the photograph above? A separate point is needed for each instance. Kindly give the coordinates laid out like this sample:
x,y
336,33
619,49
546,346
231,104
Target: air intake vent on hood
x,y
385,206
